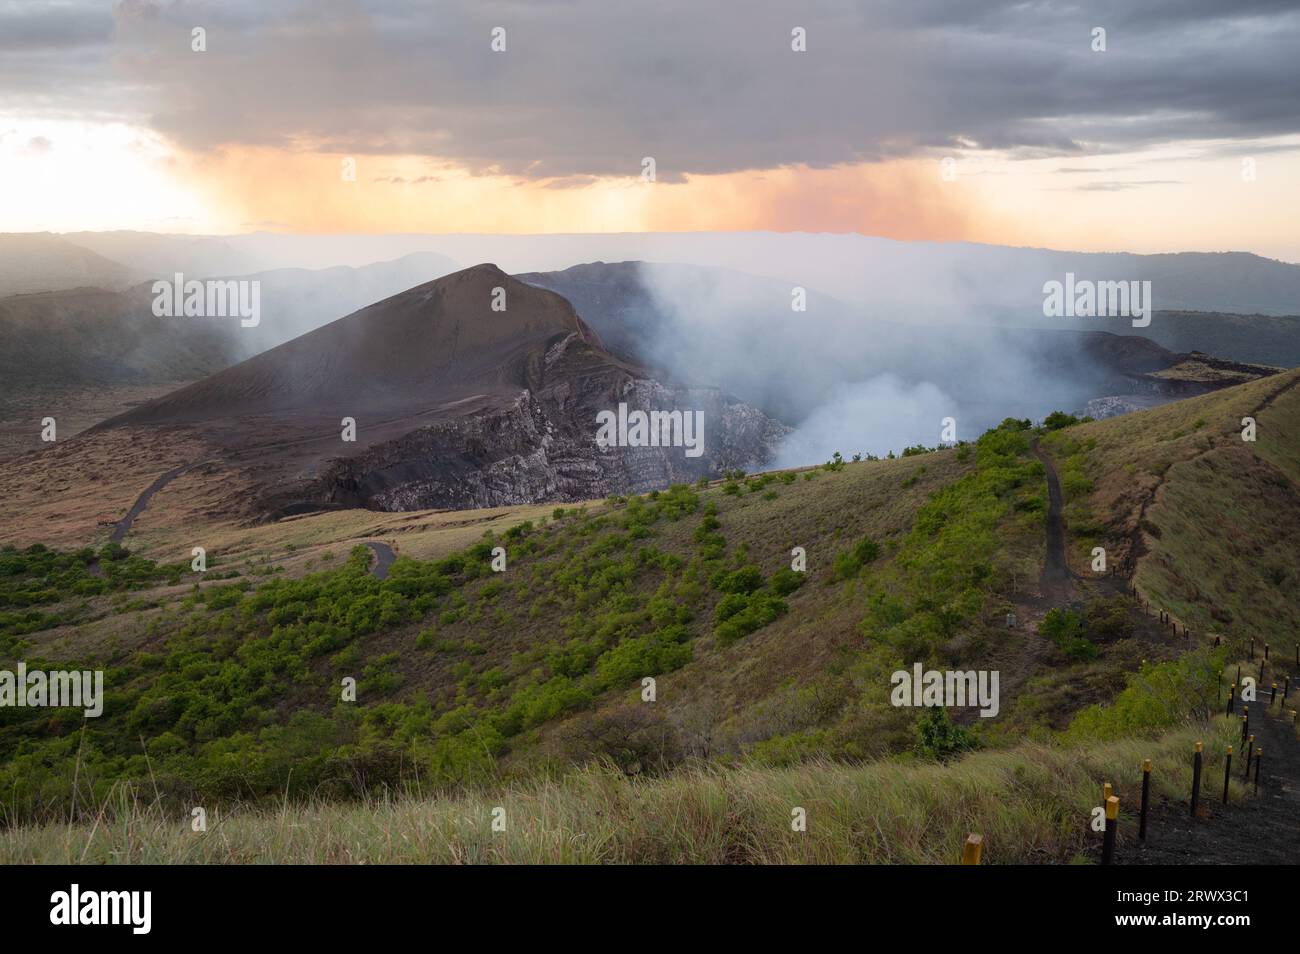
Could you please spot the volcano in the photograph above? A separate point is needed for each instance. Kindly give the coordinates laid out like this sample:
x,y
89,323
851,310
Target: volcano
x,y
473,390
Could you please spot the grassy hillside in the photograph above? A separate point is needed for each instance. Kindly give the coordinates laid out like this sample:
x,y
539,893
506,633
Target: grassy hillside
x,y
1211,518
225,688
1028,802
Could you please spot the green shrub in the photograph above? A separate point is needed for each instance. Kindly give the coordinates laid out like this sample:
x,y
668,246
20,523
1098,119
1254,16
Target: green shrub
x,y
759,609
785,581
937,737
1066,630
851,562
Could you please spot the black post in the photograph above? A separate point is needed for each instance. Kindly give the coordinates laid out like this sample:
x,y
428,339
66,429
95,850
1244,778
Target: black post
x,y
1196,779
1112,823
1245,723
1252,647
1227,773
1232,698
1250,750
1272,698
1146,796
1259,757
1266,650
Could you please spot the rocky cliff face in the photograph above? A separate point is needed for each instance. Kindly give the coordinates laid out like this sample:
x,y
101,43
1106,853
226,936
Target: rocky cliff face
x,y
542,446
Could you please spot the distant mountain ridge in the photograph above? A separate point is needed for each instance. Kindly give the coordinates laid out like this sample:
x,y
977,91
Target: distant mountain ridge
x,y
94,337
39,261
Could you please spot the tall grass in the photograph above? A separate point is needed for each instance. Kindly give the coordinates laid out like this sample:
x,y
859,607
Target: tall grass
x,y
1031,803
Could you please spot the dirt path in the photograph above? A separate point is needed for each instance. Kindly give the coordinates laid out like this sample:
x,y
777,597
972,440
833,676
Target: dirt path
x,y
1056,582
384,557
124,525
1255,830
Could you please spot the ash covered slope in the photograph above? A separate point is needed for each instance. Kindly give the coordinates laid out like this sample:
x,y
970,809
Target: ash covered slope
x,y
436,341
456,405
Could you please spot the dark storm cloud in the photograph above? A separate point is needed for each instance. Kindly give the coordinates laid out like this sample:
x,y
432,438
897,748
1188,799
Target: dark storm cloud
x,y
589,87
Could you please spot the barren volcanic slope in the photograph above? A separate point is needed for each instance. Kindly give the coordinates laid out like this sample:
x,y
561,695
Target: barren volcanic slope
x,y
456,405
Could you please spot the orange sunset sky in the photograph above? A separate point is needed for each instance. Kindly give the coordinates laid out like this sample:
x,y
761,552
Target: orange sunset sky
x,y
254,131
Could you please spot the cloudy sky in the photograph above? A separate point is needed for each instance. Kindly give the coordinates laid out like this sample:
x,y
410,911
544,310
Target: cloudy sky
x,y
989,121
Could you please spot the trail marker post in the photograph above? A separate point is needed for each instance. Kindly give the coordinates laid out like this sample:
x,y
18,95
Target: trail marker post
x,y
1146,798
1259,757
1112,823
1227,773
1249,752
1196,778
970,851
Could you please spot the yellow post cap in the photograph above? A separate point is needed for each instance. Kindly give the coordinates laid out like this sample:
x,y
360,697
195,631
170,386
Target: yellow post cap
x,y
1112,808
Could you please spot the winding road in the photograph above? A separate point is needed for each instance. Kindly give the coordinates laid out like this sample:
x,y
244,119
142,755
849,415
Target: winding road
x,y
384,557
123,526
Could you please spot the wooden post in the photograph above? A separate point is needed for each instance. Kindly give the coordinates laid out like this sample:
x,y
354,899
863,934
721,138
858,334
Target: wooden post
x,y
1259,757
1196,778
1227,773
1112,823
970,852
1249,752
1245,723
1266,650
1146,798
1106,792
1232,699
1252,647
1272,698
